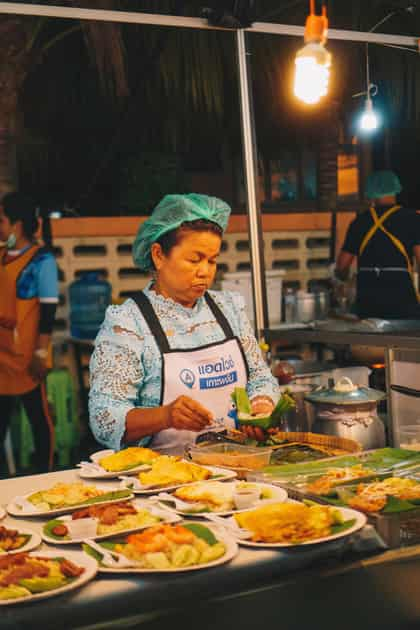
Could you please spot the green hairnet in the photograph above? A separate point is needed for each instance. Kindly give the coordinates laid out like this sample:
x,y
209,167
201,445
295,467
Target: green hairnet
x,y
169,214
382,183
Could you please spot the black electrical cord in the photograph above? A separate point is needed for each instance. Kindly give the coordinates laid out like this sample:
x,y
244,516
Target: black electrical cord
x,y
238,14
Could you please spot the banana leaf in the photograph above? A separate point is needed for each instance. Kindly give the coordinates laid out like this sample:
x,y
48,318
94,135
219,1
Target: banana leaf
x,y
393,504
381,460
243,406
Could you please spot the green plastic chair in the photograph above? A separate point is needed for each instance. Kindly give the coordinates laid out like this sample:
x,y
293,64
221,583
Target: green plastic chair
x,y
62,398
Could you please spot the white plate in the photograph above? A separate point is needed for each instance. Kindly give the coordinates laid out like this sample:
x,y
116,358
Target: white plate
x,y
33,542
231,551
95,457
2,513
166,515
222,474
347,513
90,473
15,510
97,472
79,558
279,495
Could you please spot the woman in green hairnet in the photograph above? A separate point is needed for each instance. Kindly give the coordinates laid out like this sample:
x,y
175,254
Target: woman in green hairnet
x,y
385,239
166,363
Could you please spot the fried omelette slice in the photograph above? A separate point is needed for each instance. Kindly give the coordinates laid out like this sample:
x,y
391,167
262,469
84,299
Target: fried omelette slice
x,y
215,494
128,458
288,522
167,470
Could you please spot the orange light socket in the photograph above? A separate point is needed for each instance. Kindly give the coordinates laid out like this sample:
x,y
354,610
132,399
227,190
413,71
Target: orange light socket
x,y
316,27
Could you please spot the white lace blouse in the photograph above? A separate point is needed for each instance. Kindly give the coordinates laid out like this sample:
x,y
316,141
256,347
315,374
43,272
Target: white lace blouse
x,y
125,367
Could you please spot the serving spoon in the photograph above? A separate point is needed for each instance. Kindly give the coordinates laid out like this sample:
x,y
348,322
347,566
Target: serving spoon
x,y
109,558
230,525
183,506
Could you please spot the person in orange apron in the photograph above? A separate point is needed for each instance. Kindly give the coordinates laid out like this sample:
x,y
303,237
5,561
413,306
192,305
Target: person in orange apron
x,y
166,363
28,300
385,240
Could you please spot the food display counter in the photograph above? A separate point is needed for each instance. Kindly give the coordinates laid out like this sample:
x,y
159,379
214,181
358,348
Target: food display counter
x,y
328,585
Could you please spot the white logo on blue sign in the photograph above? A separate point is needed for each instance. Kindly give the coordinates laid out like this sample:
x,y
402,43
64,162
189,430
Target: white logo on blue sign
x,y
187,377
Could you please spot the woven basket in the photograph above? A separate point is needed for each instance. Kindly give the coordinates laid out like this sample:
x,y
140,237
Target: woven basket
x,y
331,442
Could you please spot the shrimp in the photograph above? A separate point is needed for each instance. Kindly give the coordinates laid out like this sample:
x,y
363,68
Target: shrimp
x,y
179,535
159,537
153,539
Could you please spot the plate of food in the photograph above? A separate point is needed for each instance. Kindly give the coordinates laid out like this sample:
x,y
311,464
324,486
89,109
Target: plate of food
x,y
101,521
164,549
294,524
62,498
222,498
21,539
386,496
26,577
109,464
168,473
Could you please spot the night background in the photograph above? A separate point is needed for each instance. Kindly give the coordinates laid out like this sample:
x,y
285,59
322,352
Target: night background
x,y
103,119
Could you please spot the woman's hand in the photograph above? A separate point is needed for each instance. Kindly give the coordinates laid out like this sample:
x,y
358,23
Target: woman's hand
x,y
184,413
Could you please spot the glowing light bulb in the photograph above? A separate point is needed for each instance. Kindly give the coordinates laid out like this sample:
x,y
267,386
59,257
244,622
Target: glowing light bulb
x,y
312,74
369,120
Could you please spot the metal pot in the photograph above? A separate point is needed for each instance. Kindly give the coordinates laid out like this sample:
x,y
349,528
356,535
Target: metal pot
x,y
348,411
306,307
301,417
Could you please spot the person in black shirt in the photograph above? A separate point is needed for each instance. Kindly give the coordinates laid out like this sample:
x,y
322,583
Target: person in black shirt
x,y
385,239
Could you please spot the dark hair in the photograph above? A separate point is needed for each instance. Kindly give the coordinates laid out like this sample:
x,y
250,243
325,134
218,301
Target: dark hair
x,y
19,207
168,240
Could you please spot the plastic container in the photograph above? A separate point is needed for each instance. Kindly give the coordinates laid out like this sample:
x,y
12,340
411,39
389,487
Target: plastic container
x,y
241,282
230,456
89,298
409,437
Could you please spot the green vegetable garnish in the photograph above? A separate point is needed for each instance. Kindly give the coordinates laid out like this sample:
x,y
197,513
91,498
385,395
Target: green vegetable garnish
x,y
202,532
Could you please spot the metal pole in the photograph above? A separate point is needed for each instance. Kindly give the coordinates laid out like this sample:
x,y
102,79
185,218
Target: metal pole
x,y
392,428
249,148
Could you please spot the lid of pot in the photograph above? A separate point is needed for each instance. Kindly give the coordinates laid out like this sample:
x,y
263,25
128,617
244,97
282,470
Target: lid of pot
x,y
345,393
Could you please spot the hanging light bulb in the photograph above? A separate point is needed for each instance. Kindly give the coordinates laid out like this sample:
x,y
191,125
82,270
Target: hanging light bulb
x,y
313,61
369,120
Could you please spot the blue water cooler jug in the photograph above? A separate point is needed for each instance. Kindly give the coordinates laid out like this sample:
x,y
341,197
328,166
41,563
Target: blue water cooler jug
x,y
89,298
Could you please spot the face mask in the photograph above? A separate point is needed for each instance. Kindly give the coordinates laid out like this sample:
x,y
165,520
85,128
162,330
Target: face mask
x,y
11,241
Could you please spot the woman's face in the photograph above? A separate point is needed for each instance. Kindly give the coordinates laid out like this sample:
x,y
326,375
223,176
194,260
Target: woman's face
x,y
189,269
6,228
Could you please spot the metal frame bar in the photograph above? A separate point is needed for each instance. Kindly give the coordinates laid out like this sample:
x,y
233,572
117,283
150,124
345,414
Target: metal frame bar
x,y
131,17
249,147
248,131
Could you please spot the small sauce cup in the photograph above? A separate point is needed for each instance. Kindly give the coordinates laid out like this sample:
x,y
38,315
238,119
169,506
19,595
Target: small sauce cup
x,y
245,497
82,528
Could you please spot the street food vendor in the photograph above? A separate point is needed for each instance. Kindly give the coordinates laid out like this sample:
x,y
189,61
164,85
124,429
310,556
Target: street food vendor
x,y
166,362
28,302
385,239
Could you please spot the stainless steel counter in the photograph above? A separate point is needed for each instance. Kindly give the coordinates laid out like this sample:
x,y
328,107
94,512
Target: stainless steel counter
x,y
401,339
318,587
